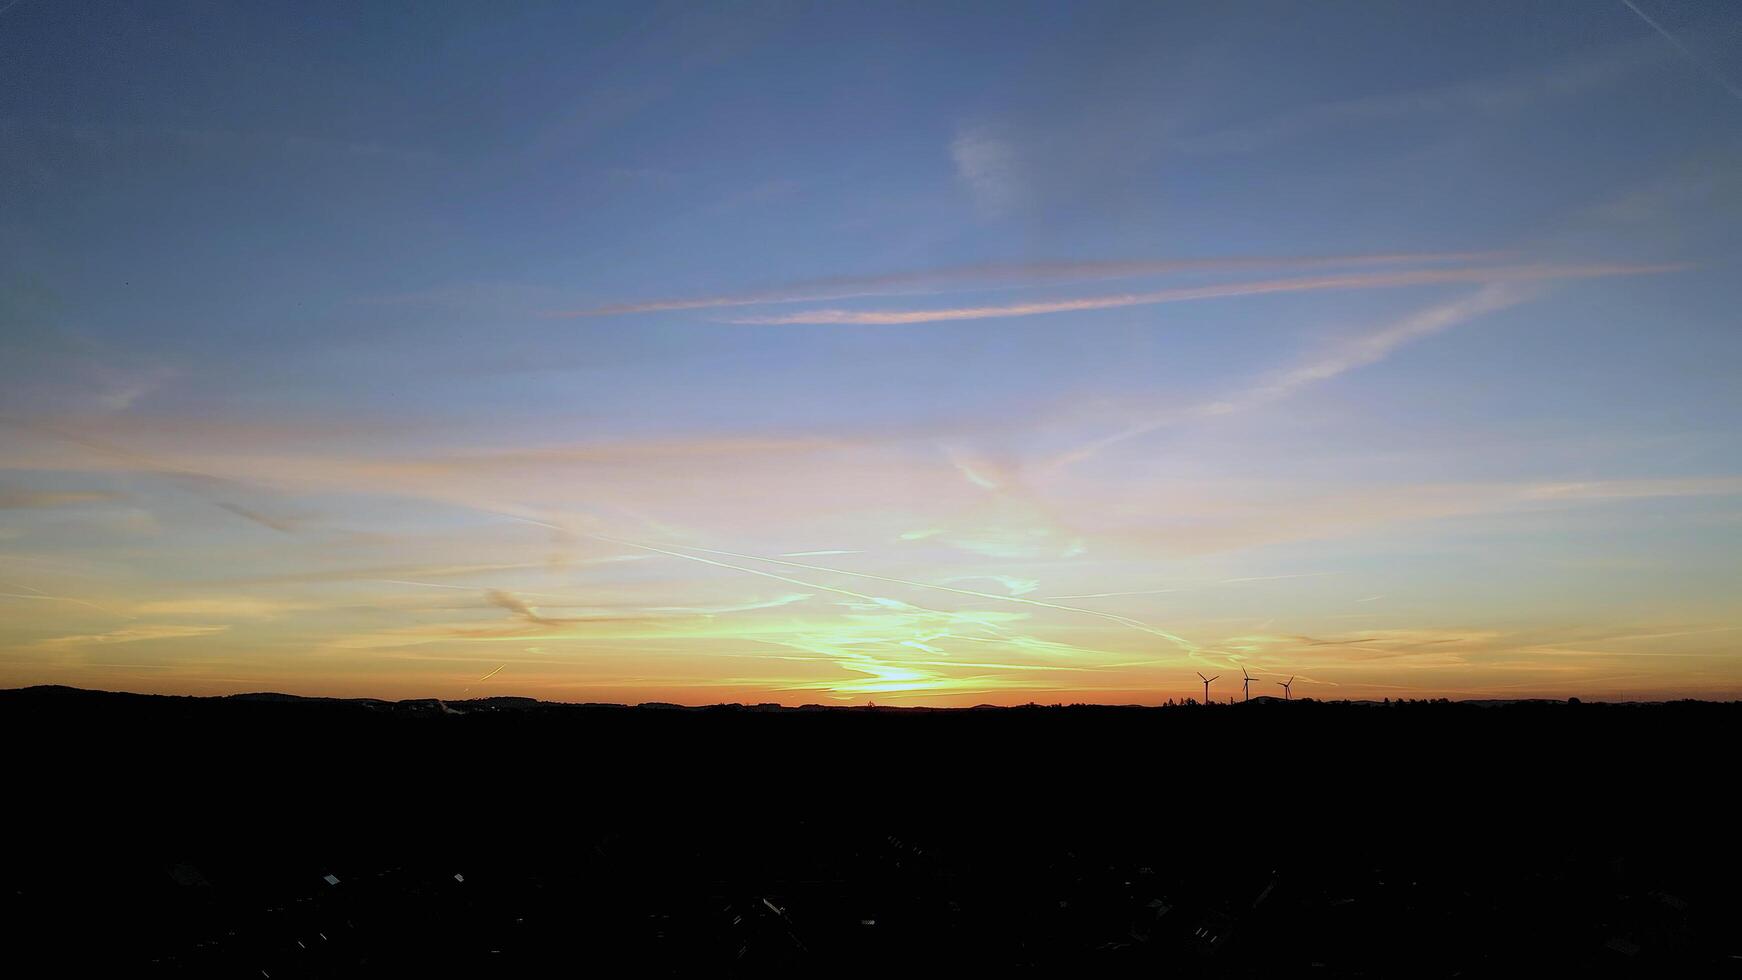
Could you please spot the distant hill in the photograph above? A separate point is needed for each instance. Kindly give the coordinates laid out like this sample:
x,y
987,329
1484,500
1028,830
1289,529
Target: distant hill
x,y
508,702
1045,819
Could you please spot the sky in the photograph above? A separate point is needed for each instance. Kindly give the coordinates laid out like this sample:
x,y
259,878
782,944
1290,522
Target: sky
x,y
930,354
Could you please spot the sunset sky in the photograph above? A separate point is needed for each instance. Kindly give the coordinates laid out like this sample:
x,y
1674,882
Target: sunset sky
x,y
920,353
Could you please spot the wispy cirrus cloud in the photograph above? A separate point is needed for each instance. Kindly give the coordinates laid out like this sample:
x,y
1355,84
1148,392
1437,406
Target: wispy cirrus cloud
x,y
517,606
133,634
526,622
197,482
989,165
401,572
1014,584
1495,95
1121,620
283,525
1705,67
228,607
854,499
1296,284
1013,275
1233,515
21,591
1360,351
514,603
48,369
1634,489
32,499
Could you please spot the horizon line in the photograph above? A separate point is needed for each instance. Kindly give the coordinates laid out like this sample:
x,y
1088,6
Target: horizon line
x,y
870,703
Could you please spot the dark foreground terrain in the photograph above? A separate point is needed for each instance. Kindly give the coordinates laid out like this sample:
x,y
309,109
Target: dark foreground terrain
x,y
283,837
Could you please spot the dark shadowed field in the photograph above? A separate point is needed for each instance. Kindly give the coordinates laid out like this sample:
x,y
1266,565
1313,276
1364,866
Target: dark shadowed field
x,y
295,837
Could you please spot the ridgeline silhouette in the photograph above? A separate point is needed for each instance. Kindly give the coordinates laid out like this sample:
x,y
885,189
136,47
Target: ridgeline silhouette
x,y
316,836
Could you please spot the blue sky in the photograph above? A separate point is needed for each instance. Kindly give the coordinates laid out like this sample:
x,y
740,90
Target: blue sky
x,y
1354,326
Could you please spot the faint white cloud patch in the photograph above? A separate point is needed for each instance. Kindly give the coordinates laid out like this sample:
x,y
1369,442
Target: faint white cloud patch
x,y
116,391
989,165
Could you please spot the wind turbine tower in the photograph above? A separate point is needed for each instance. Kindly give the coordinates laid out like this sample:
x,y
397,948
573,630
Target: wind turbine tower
x,y
1206,681
1247,683
1285,686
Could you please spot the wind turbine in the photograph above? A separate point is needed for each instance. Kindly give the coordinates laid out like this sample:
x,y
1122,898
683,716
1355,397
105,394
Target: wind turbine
x,y
1285,686
1207,681
1247,682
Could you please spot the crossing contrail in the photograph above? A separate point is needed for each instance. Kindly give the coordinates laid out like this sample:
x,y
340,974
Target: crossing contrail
x,y
1698,62
1126,621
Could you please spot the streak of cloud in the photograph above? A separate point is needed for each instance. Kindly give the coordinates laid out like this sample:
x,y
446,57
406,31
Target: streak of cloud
x,y
844,651
1017,586
636,452
1686,52
132,634
280,524
1252,515
1110,595
775,603
244,607
31,499
1359,352
523,610
426,585
400,574
1182,294
1631,489
1015,275
1494,95
481,680
979,472
199,483
989,165
31,592
1179,641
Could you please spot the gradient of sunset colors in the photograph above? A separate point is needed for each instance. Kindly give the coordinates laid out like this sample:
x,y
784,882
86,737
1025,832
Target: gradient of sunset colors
x,y
932,354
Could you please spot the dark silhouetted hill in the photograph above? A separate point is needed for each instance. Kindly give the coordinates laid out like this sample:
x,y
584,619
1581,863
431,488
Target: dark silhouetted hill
x,y
195,836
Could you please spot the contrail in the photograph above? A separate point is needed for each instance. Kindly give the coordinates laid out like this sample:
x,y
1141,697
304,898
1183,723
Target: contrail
x,y
465,588
1009,276
1110,595
1179,641
525,520
779,578
1687,52
195,482
427,585
849,662
36,593
1356,353
481,680
1353,280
